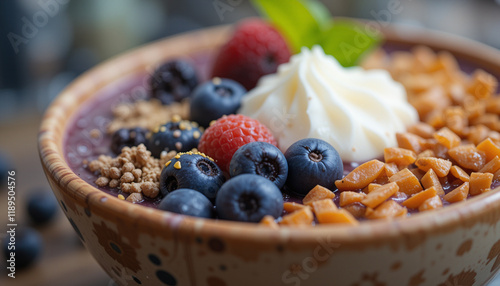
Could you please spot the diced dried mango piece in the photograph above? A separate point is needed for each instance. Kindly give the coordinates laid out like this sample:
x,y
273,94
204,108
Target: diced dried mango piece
x,y
474,107
357,210
371,187
418,199
400,156
493,105
492,166
480,183
477,134
408,183
459,173
435,118
440,151
490,149
418,173
455,119
269,221
458,194
341,217
447,138
431,204
483,84
468,157
440,166
430,179
422,129
348,197
361,176
323,208
379,195
391,169
388,209
489,120
316,194
426,153
300,217
410,141
290,207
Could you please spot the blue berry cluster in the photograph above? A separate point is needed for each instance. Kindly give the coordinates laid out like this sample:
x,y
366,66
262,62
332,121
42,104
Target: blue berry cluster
x,y
259,172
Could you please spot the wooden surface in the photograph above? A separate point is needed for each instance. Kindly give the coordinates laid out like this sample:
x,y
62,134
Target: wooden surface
x,y
64,260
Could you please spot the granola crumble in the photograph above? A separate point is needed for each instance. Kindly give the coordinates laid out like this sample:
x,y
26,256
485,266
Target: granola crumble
x,y
134,171
146,113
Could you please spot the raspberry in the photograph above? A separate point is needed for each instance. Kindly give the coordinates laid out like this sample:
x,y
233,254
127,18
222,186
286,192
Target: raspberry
x,y
255,49
229,133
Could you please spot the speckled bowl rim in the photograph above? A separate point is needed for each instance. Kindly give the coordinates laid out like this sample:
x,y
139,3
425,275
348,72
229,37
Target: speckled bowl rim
x,y
479,209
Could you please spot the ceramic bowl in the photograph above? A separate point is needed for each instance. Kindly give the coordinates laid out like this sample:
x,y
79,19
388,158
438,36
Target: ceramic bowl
x,y
457,245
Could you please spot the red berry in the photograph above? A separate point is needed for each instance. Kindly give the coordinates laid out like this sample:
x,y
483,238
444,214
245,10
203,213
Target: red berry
x,y
255,49
229,133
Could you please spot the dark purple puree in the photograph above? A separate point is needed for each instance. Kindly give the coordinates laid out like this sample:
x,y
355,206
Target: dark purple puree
x,y
79,145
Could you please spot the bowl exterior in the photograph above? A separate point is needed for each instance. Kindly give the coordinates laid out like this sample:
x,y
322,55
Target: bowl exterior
x,y
142,246
132,254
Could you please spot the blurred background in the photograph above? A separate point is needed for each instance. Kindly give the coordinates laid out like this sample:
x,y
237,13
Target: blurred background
x,y
45,44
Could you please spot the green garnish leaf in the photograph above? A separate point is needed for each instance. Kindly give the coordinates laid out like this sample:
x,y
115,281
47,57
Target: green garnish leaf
x,y
348,41
305,23
319,12
293,19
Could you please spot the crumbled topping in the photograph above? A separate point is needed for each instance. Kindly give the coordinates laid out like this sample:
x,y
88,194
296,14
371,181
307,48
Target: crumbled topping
x,y
147,114
133,171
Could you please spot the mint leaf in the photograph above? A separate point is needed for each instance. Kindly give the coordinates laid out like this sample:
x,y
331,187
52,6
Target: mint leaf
x,y
319,12
305,23
293,19
348,41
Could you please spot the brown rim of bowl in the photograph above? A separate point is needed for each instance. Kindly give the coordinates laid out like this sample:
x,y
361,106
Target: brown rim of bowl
x,y
55,121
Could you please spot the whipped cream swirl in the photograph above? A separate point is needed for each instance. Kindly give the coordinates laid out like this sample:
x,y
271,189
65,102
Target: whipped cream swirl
x,y
357,111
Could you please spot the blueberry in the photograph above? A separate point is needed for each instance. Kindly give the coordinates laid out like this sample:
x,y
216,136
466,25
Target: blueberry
x,y
260,158
127,138
213,99
26,244
173,81
312,162
187,202
191,171
178,135
248,198
42,207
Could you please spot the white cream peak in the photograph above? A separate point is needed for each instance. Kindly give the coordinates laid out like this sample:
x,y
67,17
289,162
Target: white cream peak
x,y
357,111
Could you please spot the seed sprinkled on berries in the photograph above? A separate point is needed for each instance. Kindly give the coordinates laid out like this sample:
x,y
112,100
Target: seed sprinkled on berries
x,y
176,118
173,135
121,197
168,163
177,165
198,172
